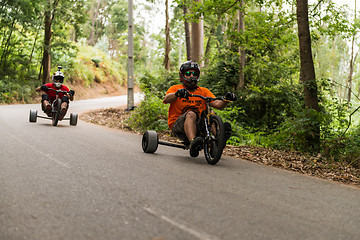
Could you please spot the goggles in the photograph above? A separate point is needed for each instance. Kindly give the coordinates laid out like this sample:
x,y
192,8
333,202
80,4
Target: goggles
x,y
188,73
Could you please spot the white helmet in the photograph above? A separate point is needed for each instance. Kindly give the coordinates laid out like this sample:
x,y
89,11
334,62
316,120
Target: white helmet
x,y
58,76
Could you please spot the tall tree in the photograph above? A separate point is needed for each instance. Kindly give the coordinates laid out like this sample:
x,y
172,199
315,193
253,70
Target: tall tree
x,y
197,38
242,57
307,71
187,34
94,23
167,37
48,19
352,60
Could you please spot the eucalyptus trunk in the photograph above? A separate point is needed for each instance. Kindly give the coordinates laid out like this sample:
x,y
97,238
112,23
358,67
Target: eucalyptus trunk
x,y
46,62
352,62
197,40
48,19
167,37
242,56
307,74
187,35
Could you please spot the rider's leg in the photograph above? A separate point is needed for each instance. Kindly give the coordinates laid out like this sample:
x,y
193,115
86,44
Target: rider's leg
x,y
46,106
64,107
190,125
190,130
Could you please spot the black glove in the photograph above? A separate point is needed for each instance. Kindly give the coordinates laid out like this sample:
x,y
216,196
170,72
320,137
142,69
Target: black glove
x,y
182,93
230,96
44,88
72,92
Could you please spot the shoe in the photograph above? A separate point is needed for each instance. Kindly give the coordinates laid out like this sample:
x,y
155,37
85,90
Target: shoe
x,y
195,146
48,110
228,130
62,113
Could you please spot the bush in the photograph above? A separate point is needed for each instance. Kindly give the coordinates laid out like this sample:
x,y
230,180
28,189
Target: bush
x,y
12,92
150,115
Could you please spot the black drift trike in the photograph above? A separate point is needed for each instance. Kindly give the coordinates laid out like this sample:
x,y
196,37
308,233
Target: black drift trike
x,y
55,111
212,130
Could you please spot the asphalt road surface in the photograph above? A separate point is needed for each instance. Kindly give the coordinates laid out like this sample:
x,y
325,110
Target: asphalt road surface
x,y
90,182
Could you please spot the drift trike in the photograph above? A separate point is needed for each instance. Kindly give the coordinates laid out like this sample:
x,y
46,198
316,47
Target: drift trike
x,y
55,111
212,130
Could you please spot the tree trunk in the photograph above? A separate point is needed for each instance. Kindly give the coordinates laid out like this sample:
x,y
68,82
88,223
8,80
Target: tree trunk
x,y
46,62
352,61
208,46
242,56
47,46
94,18
167,37
197,40
187,35
307,73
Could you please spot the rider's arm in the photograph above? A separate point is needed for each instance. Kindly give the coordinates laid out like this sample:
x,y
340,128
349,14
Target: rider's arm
x,y
169,98
218,104
71,97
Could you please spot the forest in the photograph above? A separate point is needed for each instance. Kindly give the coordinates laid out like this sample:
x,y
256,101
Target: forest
x,y
292,63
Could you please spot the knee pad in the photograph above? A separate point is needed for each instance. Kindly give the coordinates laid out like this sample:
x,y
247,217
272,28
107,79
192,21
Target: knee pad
x,y
65,99
44,97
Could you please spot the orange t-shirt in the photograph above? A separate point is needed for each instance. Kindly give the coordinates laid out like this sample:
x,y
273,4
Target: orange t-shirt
x,y
182,105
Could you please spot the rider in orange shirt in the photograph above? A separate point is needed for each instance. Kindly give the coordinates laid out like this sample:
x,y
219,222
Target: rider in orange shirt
x,y
184,111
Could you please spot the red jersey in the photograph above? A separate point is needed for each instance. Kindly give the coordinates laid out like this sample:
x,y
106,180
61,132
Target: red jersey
x,y
182,105
52,94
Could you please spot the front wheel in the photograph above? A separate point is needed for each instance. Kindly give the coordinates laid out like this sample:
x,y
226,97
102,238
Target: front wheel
x,y
56,112
214,145
150,141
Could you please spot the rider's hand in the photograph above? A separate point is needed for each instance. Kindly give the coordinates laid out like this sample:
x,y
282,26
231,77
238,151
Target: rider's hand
x,y
72,92
182,93
44,88
230,96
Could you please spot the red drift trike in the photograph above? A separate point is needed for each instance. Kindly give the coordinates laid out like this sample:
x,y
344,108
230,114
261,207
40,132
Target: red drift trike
x,y
56,107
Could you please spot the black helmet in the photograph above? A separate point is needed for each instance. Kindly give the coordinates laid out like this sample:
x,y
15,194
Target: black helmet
x,y
191,82
58,76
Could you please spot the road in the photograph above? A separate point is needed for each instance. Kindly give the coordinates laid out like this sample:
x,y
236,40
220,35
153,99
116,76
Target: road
x,y
90,182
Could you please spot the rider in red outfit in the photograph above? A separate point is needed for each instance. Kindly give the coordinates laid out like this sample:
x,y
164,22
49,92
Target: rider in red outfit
x,y
49,96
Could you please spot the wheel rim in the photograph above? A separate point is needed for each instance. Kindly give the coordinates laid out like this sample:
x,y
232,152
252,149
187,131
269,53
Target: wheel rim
x,y
214,146
55,116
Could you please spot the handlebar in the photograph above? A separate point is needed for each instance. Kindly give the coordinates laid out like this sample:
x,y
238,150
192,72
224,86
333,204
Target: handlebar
x,y
58,91
207,99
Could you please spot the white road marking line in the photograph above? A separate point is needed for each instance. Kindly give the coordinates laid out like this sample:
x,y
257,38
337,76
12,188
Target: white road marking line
x,y
199,235
44,154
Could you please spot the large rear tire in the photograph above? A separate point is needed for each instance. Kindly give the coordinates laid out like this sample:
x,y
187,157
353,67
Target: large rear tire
x,y
150,141
33,115
73,119
214,146
56,112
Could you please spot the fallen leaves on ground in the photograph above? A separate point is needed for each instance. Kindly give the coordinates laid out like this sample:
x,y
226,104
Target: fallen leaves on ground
x,y
290,160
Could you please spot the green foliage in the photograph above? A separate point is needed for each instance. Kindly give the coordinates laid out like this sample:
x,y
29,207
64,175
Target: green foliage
x,y
93,64
344,149
11,92
158,85
294,131
150,115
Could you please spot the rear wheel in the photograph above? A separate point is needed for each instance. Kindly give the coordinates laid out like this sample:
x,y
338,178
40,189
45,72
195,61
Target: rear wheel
x,y
214,146
33,115
56,112
150,141
73,119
